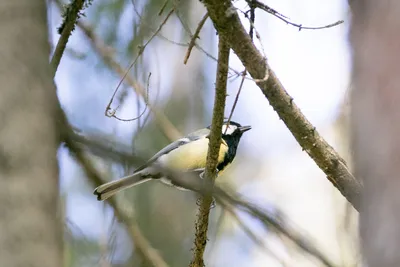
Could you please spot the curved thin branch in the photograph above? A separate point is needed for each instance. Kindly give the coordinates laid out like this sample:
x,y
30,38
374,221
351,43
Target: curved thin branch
x,y
285,19
141,50
229,26
213,152
142,244
106,54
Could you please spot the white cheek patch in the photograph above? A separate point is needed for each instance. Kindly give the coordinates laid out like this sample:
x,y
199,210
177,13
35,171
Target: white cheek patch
x,y
228,130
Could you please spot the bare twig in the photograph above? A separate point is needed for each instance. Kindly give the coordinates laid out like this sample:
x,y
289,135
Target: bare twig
x,y
213,152
106,53
328,160
236,98
70,18
162,7
285,19
251,31
146,100
141,50
194,37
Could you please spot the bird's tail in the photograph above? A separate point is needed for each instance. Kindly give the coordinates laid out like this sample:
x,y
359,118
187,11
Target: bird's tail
x,y
109,189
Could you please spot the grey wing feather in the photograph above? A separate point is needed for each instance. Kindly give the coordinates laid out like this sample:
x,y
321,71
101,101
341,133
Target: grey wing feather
x,y
174,145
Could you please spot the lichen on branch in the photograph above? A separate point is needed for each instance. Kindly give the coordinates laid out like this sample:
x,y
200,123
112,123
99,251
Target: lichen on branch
x,y
213,152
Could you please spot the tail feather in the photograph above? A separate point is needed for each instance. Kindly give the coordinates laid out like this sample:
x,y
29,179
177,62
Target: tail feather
x,y
111,188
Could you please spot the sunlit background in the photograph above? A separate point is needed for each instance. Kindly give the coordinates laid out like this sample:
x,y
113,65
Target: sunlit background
x,y
270,169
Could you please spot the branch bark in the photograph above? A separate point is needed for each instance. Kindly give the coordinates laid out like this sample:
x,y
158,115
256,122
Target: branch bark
x,y
213,152
71,17
229,26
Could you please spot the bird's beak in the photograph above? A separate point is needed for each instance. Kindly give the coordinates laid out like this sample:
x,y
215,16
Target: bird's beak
x,y
244,128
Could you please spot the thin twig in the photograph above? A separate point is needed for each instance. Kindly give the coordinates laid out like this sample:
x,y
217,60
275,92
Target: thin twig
x,y
213,152
327,159
162,7
146,100
252,18
251,31
194,38
253,27
70,18
106,53
236,98
285,19
141,50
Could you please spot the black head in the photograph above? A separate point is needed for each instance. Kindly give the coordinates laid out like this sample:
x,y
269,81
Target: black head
x,y
231,134
233,129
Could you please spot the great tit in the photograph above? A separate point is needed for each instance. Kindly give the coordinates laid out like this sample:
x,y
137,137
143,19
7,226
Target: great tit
x,y
187,154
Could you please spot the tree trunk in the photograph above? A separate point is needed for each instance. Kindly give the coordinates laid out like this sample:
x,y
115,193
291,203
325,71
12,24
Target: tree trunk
x,y
30,228
375,123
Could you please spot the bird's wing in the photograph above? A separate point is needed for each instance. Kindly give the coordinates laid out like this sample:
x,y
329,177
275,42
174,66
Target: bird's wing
x,y
174,145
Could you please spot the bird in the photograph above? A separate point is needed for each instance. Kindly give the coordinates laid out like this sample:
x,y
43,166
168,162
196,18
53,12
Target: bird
x,y
187,154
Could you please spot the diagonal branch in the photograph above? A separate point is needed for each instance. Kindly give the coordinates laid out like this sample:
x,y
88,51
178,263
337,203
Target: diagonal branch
x,y
124,216
258,4
71,16
229,26
213,152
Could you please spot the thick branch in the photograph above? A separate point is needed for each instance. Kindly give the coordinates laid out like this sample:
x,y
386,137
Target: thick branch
x,y
213,152
229,26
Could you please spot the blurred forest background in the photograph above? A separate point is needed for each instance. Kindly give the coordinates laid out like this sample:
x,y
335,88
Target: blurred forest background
x,y
270,168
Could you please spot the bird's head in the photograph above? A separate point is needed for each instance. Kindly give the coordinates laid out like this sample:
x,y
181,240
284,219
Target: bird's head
x,y
233,129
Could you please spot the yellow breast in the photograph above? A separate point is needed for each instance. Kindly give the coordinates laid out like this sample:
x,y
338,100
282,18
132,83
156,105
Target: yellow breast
x,y
191,156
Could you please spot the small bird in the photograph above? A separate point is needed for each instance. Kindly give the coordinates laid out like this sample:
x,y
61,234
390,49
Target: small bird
x,y
187,154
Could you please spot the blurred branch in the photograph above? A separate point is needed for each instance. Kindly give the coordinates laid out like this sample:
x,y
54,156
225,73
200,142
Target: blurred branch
x,y
329,161
141,50
67,135
146,100
194,37
279,223
107,55
258,4
213,152
71,15
193,182
253,236
123,215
